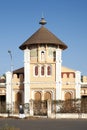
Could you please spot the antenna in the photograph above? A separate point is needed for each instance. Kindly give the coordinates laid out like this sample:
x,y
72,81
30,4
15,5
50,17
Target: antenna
x,y
42,15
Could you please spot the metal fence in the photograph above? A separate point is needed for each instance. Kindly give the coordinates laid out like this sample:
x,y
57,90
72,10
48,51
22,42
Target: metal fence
x,y
70,106
41,107
2,107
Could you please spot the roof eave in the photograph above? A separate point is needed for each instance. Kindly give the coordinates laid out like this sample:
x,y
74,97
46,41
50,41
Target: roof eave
x,y
23,47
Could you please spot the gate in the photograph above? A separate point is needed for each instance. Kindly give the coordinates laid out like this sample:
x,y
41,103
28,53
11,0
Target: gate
x,y
40,107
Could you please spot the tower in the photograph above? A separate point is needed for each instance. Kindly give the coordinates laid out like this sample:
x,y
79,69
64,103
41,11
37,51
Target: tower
x,y
42,65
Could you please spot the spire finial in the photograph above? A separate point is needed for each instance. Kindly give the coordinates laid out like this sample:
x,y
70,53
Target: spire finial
x,y
42,15
42,21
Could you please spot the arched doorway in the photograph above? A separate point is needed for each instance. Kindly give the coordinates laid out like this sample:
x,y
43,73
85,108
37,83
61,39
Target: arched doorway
x,y
37,96
47,96
40,106
68,96
68,102
19,98
37,103
18,101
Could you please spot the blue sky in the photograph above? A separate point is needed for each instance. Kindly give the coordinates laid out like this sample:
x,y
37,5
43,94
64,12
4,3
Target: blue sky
x,y
67,19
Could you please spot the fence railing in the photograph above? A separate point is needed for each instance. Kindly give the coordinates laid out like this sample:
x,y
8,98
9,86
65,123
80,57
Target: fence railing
x,y
70,106
42,107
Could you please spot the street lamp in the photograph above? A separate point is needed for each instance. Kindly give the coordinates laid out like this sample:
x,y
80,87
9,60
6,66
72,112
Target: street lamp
x,y
11,78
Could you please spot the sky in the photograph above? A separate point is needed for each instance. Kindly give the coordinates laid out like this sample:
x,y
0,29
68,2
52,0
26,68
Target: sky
x,y
67,19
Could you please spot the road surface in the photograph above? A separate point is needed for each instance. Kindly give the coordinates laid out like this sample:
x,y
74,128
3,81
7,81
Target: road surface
x,y
45,124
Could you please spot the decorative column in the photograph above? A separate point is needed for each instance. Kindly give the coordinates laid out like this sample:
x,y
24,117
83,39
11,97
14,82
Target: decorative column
x,y
9,90
58,73
78,84
26,75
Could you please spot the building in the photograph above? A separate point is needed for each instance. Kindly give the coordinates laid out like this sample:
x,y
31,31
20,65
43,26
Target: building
x,y
43,77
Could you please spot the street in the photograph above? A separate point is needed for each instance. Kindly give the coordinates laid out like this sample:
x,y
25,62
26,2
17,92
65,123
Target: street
x,y
45,124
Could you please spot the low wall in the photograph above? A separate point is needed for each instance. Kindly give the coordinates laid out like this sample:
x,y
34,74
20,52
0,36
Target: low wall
x,y
9,115
71,115
54,116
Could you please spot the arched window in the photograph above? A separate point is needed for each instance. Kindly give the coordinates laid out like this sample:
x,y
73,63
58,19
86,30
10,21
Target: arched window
x,y
49,70
42,70
36,70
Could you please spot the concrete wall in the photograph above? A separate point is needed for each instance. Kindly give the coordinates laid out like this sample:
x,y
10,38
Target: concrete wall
x,y
71,116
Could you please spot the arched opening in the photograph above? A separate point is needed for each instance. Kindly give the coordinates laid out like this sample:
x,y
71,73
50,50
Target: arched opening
x,y
18,101
42,70
68,102
37,103
19,98
68,96
47,96
49,70
36,70
37,96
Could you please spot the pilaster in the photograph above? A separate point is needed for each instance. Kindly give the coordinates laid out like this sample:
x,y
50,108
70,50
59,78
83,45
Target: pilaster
x,y
58,73
78,84
9,89
26,75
